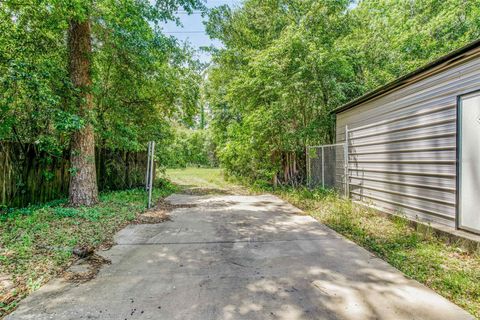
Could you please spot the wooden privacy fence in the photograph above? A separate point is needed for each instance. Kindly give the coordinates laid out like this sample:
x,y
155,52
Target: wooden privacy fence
x,y
29,176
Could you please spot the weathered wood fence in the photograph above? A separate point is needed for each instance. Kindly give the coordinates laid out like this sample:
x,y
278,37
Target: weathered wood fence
x,y
28,176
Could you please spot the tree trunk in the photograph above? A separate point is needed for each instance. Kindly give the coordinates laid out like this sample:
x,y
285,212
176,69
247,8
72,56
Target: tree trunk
x,y
83,180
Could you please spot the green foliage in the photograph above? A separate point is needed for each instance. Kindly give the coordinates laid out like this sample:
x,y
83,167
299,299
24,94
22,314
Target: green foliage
x,y
142,79
188,148
32,75
206,179
287,64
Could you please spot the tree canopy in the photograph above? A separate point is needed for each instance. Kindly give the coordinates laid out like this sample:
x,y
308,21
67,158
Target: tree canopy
x,y
286,64
270,89
141,77
81,74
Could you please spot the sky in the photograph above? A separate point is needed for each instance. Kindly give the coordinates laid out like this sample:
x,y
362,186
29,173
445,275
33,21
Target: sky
x,y
193,29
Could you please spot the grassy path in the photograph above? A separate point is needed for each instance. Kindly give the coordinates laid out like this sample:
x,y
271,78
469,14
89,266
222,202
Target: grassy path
x,y
203,178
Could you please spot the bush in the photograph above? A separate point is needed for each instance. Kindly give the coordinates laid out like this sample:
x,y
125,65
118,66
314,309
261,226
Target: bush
x,y
189,148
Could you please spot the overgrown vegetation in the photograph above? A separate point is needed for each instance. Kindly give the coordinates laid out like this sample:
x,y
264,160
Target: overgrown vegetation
x,y
206,178
189,147
283,67
36,242
448,269
80,74
286,64
141,77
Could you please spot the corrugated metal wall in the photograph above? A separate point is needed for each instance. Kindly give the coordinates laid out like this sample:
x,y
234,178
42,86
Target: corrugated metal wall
x,y
402,145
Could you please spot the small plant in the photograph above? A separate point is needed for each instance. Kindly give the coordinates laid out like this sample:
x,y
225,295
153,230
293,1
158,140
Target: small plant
x,y
65,212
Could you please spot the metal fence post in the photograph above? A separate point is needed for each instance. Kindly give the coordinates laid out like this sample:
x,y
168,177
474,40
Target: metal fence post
x,y
307,158
147,173
347,191
323,167
152,151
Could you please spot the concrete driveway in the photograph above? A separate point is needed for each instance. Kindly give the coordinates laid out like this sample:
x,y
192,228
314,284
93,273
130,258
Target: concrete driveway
x,y
238,257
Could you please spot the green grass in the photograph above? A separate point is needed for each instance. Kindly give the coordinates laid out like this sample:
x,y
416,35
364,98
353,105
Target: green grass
x,y
36,242
446,268
202,177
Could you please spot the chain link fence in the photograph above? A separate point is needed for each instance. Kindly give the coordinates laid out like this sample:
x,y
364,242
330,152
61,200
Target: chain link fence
x,y
326,167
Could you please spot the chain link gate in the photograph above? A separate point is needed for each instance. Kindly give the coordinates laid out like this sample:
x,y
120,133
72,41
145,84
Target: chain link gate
x,y
326,167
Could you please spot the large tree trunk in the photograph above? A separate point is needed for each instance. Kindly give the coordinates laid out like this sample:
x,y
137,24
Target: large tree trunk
x,y
83,179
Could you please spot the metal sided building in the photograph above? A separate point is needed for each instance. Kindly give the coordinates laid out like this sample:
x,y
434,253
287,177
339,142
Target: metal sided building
x,y
414,144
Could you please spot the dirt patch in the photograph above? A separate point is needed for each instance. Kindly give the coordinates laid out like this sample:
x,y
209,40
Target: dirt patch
x,y
7,290
106,245
84,270
159,213
206,191
152,216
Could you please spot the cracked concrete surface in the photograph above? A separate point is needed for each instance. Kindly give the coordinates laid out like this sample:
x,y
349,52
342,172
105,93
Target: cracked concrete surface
x,y
238,257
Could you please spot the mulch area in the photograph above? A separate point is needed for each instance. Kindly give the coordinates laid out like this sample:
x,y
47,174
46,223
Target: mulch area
x,y
159,213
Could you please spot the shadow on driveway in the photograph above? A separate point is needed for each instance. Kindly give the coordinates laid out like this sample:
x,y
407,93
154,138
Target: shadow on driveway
x,y
238,257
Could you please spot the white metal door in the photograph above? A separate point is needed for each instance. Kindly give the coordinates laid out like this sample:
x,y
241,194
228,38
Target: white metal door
x,y
469,162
